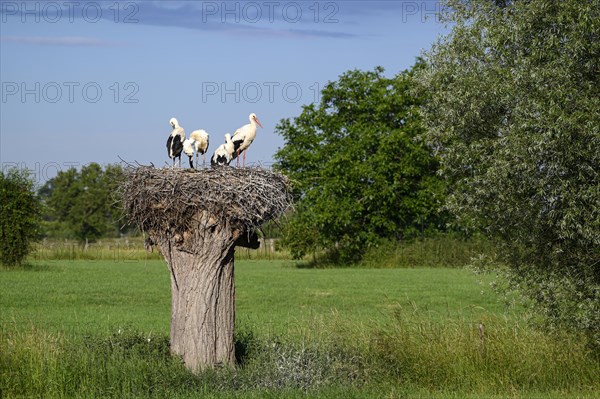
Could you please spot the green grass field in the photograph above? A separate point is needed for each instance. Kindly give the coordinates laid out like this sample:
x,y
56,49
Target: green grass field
x,y
100,329
101,295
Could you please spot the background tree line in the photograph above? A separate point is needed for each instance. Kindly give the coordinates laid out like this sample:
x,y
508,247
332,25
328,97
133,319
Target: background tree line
x,y
82,204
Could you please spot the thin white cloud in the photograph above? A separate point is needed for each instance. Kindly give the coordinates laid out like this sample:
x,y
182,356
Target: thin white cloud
x,y
59,41
287,19
263,19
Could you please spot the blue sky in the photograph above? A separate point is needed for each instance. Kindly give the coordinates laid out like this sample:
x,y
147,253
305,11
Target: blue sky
x,y
92,81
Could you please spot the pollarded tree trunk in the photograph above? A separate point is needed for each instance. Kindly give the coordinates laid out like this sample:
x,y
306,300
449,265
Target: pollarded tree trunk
x,y
203,295
197,218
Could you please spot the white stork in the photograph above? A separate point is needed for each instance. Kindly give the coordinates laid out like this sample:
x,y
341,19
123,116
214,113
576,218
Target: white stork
x,y
175,141
224,153
244,136
197,143
188,149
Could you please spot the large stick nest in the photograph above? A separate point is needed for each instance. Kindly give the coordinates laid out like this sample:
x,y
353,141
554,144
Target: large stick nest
x,y
167,200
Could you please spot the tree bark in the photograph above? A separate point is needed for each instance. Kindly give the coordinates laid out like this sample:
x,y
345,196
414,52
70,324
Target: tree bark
x,y
203,295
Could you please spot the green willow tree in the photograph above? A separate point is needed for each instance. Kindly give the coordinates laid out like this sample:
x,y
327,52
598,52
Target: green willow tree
x,y
360,174
82,204
514,111
20,216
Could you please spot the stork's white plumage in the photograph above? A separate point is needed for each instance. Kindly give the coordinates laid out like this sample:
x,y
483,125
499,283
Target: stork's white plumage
x,y
224,153
198,144
175,141
188,149
244,136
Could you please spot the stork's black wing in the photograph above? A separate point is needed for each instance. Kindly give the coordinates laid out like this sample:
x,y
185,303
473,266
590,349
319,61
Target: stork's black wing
x,y
169,145
174,146
177,145
236,145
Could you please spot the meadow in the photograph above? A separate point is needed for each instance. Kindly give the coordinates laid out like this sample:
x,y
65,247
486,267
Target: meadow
x,y
99,328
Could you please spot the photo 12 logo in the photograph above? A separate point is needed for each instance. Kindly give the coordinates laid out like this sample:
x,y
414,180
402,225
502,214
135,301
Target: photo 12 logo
x,y
71,92
40,172
424,10
254,92
270,11
69,11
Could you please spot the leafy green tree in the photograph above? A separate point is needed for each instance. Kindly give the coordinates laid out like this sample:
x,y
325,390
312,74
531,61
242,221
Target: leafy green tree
x,y
514,111
360,173
82,204
20,216
59,195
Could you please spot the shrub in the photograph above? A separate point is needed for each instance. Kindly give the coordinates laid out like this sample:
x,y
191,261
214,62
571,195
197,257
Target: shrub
x,y
19,216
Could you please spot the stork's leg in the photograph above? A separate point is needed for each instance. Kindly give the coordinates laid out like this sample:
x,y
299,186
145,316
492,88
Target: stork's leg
x,y
238,158
191,162
244,162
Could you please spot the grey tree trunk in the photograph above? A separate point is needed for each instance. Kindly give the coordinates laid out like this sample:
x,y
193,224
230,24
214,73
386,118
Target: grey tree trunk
x,y
196,218
203,296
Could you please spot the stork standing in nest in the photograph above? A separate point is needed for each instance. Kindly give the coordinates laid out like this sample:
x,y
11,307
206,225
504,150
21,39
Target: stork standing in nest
x,y
224,153
198,144
175,141
244,136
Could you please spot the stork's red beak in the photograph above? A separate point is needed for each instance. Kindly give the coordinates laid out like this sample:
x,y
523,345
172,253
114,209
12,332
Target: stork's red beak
x,y
256,119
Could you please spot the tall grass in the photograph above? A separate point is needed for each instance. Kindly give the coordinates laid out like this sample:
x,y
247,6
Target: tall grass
x,y
437,251
128,363
132,249
113,249
352,333
493,356
419,359
125,364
